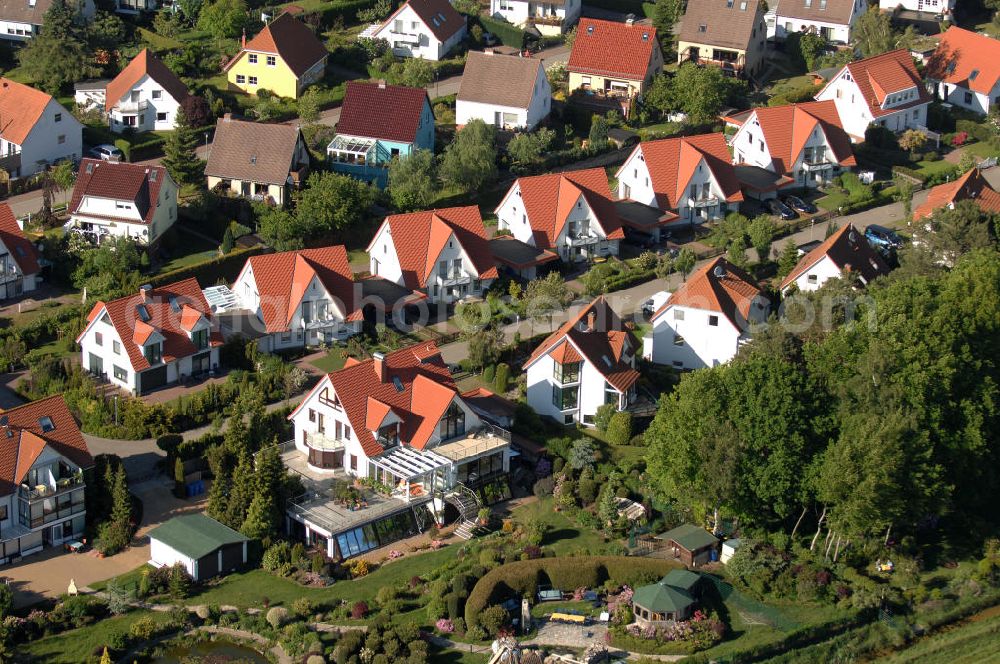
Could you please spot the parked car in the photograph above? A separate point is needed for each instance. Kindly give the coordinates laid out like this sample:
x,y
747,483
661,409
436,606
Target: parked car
x,y
640,239
882,238
779,209
797,203
106,152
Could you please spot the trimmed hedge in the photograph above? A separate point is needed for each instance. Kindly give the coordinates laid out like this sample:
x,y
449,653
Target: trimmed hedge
x,y
523,577
225,268
509,35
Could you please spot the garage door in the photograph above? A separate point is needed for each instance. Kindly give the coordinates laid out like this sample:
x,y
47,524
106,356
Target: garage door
x,y
152,378
208,566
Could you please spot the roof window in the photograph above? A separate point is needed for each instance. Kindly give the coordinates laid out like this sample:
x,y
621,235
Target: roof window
x,y
143,312
174,304
397,383
46,423
703,28
973,74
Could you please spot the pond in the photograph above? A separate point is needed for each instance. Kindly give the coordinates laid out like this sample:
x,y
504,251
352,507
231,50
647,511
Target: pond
x,y
211,652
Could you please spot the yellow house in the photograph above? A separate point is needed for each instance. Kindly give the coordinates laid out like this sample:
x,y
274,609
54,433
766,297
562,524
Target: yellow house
x,y
730,34
613,62
285,58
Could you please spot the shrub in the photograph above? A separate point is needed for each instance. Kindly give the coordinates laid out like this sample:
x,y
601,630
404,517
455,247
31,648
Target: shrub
x,y
359,610
603,416
502,378
494,619
488,373
277,616
276,556
476,633
303,607
142,629
620,428
509,35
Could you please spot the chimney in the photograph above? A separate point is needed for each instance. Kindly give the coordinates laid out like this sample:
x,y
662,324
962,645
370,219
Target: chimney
x,y
592,321
243,41
381,84
630,19
486,51
144,292
379,359
227,117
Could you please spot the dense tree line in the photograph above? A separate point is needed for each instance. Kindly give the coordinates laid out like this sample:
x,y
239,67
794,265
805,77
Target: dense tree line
x,y
887,421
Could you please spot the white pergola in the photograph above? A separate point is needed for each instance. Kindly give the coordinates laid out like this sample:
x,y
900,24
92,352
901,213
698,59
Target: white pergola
x,y
408,464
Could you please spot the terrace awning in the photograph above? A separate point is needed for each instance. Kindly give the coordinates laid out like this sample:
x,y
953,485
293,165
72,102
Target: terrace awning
x,y
408,463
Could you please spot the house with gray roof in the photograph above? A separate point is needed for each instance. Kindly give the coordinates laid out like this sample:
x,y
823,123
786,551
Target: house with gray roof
x,y
262,162
21,20
691,544
506,91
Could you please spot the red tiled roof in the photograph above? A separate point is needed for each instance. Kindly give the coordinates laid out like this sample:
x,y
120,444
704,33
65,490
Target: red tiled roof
x,y
439,16
971,186
967,59
20,108
165,306
427,390
609,47
732,294
883,75
389,112
419,237
597,334
549,199
672,162
788,128
282,280
20,248
18,452
848,249
138,183
289,39
144,64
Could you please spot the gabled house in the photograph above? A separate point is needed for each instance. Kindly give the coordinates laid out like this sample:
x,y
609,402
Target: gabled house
x,y
885,90
379,122
428,29
971,186
690,179
262,162
588,362
397,422
802,142
831,19
42,487
846,252
20,21
441,253
614,62
505,91
570,214
113,199
285,57
300,298
145,96
36,130
18,258
549,18
133,7
154,338
705,321
730,34
964,70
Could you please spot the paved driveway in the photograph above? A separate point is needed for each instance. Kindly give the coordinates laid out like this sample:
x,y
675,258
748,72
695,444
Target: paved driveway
x,y
47,574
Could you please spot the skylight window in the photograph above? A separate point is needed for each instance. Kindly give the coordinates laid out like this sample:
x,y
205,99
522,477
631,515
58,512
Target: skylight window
x,y
143,312
46,423
974,74
397,383
174,305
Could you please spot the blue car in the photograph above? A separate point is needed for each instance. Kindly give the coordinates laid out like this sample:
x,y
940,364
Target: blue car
x,y
882,238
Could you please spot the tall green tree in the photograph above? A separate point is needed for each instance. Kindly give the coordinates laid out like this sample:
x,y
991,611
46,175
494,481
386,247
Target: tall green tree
x,y
331,202
179,155
702,92
666,14
224,18
413,180
788,258
762,231
685,262
242,492
873,33
218,493
261,518
59,55
470,160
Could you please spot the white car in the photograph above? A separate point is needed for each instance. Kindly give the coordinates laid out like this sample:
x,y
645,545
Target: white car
x,y
106,152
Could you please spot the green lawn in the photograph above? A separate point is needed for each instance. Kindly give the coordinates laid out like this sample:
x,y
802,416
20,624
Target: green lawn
x,y
333,361
982,150
929,168
159,43
563,536
972,643
191,249
578,608
77,645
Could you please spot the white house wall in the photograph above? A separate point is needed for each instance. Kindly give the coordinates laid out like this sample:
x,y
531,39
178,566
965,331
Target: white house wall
x,y
855,116
814,278
511,215
965,98
166,105
121,218
429,48
704,345
527,118
590,396
51,140
162,555
383,259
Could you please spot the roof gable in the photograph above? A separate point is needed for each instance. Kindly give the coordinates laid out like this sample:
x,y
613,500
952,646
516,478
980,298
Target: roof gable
x,y
967,59
501,80
253,151
21,107
883,75
289,39
722,23
549,199
144,64
848,250
831,11
439,16
609,47
22,251
388,112
672,161
788,128
717,286
138,183
419,238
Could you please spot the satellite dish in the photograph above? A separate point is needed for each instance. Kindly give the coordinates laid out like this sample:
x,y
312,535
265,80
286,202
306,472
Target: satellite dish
x,y
719,271
853,236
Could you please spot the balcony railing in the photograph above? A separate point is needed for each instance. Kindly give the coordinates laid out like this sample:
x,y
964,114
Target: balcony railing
x,y
319,441
54,515
580,239
816,165
703,201
133,106
48,491
454,278
405,37
546,20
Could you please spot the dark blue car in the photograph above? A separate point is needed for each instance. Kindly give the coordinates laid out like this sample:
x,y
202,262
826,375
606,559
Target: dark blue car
x,y
882,238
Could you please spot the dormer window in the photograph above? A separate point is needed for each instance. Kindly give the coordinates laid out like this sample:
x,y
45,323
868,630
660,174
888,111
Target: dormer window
x,y
200,339
153,353
388,436
453,422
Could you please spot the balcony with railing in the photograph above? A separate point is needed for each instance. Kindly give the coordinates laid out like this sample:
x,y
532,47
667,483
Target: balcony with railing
x,y
454,278
816,164
582,239
61,486
546,19
323,443
132,107
49,507
703,201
